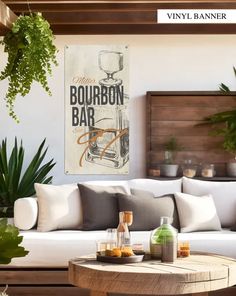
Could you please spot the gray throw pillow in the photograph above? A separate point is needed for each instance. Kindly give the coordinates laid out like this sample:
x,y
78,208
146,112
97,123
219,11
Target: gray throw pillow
x,y
147,209
99,206
233,228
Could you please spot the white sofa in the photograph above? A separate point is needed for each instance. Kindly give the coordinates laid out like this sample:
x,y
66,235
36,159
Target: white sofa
x,y
44,270
55,248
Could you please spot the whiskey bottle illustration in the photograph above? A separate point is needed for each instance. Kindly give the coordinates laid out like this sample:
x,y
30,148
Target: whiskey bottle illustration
x,y
109,137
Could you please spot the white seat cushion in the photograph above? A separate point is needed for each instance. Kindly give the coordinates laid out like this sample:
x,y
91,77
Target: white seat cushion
x,y
56,248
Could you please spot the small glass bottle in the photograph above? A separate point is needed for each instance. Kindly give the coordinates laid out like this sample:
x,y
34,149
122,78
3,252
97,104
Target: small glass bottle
x,y
163,243
123,235
111,238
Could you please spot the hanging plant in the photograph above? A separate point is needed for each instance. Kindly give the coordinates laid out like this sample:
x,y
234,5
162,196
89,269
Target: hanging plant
x,y
31,54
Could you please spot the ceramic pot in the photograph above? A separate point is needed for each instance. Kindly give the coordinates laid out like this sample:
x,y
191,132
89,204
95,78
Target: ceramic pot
x,y
169,170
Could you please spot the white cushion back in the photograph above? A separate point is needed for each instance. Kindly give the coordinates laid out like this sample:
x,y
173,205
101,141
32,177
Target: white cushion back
x,y
157,187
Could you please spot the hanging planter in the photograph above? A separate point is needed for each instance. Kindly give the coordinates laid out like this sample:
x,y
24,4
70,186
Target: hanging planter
x,y
31,54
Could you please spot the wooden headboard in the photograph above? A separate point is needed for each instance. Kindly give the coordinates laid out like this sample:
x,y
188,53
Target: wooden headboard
x,y
177,114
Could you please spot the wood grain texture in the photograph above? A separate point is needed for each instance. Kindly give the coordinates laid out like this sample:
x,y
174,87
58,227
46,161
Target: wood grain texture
x,y
45,291
38,282
120,17
34,277
179,114
7,17
196,274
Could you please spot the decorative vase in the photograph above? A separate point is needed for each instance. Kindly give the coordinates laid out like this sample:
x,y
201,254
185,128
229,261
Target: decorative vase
x,y
163,241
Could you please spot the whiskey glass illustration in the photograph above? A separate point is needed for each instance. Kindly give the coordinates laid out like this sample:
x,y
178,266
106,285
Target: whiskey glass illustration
x,y
109,137
110,62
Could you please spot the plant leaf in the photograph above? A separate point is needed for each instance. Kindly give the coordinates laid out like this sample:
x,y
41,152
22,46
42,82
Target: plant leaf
x,y
224,88
9,243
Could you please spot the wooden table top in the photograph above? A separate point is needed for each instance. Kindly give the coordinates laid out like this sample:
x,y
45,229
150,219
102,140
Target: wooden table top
x,y
199,273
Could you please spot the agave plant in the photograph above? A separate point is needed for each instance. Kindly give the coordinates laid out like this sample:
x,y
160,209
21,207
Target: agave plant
x,y
14,183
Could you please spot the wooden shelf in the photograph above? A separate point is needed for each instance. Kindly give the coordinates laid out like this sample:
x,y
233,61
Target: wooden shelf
x,y
220,179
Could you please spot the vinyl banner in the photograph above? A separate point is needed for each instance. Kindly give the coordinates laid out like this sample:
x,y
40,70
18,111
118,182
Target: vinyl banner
x,y
96,109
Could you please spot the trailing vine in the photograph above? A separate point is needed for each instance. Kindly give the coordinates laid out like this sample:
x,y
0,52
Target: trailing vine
x,y
31,54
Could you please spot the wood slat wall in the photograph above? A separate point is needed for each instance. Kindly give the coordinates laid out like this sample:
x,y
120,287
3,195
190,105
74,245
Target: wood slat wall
x,y
177,114
120,17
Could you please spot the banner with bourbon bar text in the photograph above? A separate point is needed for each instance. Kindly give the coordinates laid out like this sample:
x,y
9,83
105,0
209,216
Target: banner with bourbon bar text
x,y
96,109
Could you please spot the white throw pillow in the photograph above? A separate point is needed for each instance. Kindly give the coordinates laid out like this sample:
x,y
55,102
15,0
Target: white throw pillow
x,y
25,213
59,207
223,193
196,213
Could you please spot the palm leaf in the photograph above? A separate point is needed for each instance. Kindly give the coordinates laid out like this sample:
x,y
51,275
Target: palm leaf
x,y
234,71
38,177
34,164
224,88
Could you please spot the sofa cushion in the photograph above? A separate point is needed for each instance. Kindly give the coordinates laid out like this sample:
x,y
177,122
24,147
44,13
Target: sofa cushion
x,y
99,205
59,207
169,201
25,213
52,251
196,213
157,187
122,183
223,193
147,210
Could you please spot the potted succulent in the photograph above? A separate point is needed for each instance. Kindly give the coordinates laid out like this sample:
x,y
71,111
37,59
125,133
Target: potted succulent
x,y
170,168
16,179
31,54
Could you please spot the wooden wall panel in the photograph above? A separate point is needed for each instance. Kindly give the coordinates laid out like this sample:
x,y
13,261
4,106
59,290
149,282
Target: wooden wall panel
x,y
119,17
178,114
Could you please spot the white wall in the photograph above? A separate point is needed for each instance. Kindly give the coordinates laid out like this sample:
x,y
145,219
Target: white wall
x,y
156,63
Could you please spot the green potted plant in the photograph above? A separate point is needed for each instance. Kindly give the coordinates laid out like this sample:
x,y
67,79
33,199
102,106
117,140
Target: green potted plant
x,y
224,124
170,168
31,53
16,178
10,245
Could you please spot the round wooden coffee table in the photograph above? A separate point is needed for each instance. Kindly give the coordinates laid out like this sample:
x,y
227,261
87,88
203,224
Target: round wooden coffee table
x,y
197,275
